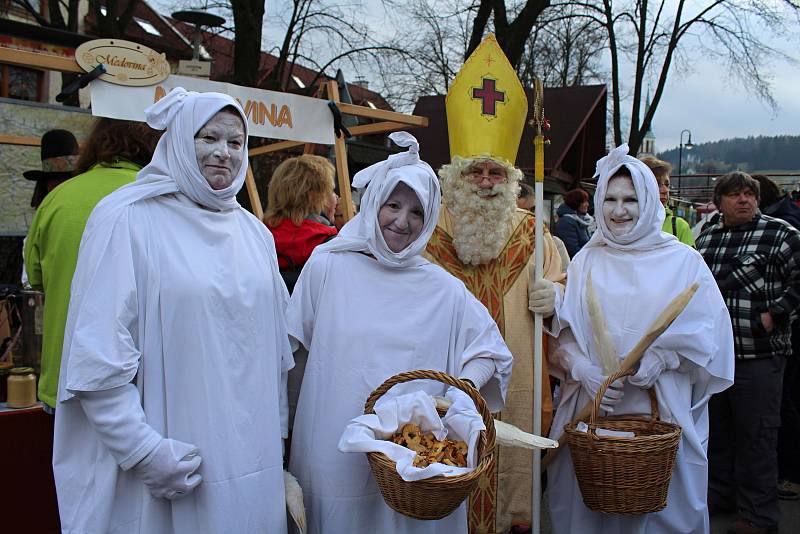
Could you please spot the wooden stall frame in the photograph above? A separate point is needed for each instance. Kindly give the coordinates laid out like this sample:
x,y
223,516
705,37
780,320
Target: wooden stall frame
x,y
391,121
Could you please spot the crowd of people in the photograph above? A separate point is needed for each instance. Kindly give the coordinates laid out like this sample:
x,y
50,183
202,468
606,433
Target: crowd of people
x,y
192,352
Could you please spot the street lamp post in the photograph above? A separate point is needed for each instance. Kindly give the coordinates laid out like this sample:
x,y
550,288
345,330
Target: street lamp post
x,y
689,146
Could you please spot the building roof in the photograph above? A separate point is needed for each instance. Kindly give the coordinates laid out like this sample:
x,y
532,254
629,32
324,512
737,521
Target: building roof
x,y
221,49
174,38
577,136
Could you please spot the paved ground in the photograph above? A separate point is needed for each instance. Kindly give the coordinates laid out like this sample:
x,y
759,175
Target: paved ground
x,y
790,519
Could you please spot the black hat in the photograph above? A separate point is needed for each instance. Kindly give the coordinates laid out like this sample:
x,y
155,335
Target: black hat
x,y
59,156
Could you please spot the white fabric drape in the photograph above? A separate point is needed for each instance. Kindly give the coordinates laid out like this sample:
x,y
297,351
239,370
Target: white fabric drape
x,y
635,278
646,233
177,290
362,233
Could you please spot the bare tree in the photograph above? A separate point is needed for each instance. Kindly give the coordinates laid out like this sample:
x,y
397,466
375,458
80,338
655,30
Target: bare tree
x,y
112,17
512,36
563,50
653,36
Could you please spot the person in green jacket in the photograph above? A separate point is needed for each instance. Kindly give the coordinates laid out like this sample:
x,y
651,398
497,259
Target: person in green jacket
x,y
672,223
110,158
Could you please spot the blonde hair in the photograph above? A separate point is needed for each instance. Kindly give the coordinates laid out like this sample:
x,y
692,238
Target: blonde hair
x,y
299,187
661,169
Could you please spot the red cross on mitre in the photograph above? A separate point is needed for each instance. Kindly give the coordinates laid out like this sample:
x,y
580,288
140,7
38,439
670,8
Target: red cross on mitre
x,y
489,96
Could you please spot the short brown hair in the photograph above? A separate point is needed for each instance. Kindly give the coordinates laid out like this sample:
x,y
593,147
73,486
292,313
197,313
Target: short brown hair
x,y
770,191
112,139
575,198
661,169
299,187
732,182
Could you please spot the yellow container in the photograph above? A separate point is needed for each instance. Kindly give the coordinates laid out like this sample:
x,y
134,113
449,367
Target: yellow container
x,y
21,388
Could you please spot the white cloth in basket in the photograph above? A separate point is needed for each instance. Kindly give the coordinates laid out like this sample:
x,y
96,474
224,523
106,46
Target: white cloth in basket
x,y
370,432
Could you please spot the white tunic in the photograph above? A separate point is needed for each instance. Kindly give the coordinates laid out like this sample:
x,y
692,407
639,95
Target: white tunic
x,y
185,301
362,323
633,287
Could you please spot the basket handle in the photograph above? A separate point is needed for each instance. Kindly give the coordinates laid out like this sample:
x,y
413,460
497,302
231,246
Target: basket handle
x,y
480,404
654,413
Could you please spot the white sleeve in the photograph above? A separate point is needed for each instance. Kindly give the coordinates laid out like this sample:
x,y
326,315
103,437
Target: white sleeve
x,y
117,416
478,371
283,408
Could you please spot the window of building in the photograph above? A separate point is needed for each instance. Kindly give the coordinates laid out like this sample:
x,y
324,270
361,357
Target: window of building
x,y
21,83
146,26
298,81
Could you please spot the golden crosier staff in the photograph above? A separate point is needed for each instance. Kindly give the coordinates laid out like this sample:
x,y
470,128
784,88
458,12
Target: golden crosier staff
x,y
538,144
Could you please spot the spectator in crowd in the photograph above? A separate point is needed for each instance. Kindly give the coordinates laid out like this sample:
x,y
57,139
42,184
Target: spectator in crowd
x,y
526,199
112,155
328,214
59,153
574,226
776,204
176,350
673,224
756,262
300,189
338,215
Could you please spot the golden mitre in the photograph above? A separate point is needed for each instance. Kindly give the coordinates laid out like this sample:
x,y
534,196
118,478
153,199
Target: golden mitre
x,y
486,106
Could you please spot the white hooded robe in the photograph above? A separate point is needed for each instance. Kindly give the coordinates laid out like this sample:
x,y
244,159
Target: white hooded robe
x,y
635,277
184,299
364,318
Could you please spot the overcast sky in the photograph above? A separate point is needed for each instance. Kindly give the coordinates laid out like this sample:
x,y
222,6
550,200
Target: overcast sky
x,y
713,107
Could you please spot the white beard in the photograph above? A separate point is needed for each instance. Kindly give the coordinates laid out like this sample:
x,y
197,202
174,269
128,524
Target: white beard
x,y
481,225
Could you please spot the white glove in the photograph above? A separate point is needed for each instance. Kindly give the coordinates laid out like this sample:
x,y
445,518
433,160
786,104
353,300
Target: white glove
x,y
591,378
653,363
542,297
169,470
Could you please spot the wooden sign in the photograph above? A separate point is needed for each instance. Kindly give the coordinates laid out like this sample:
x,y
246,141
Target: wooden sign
x,y
127,63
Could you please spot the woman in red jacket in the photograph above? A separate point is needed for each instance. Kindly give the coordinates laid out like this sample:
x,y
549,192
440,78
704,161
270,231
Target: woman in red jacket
x,y
299,190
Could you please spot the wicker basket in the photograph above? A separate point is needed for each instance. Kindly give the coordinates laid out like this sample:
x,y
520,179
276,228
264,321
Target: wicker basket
x,y
436,497
628,476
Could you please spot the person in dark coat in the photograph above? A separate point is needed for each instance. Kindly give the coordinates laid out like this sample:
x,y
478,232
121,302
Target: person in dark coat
x,y
575,225
776,204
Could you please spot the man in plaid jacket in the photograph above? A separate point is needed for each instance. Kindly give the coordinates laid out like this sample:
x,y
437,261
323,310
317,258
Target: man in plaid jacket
x,y
756,262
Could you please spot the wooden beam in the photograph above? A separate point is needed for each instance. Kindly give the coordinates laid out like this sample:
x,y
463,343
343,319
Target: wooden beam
x,y
363,111
377,127
23,58
340,149
252,192
19,140
274,147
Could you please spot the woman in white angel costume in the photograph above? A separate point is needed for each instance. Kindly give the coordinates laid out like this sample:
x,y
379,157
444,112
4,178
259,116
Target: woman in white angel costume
x,y
368,306
636,270
172,397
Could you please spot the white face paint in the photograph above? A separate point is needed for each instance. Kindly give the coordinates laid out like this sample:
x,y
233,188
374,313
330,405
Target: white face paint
x,y
219,146
401,218
620,206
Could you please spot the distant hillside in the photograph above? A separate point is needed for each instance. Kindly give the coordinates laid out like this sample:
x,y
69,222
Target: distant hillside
x,y
778,153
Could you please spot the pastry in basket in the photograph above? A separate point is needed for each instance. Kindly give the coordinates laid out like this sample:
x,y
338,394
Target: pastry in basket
x,y
430,450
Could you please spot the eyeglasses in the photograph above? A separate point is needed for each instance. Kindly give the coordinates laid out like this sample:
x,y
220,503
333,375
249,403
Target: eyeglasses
x,y
495,175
